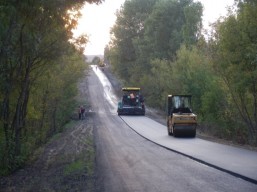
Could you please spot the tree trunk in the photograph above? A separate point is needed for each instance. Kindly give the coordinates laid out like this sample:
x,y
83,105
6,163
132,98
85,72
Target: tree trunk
x,y
6,129
21,110
54,116
41,126
255,109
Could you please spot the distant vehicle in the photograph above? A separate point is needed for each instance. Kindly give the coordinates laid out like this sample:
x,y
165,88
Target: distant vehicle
x,y
101,63
180,119
132,102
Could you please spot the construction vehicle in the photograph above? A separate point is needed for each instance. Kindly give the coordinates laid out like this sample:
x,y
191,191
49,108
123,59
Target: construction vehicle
x,y
180,119
132,102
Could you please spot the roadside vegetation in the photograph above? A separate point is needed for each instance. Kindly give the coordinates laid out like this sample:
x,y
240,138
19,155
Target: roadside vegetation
x,y
40,65
159,46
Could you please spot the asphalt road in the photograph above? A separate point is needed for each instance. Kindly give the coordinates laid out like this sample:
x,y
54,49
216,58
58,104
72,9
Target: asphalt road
x,y
129,161
237,161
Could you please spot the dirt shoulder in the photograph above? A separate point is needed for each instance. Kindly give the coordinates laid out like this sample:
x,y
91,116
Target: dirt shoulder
x,y
65,163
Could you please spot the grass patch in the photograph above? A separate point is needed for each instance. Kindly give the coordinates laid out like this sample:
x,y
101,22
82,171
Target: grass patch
x,y
70,124
90,165
74,167
84,161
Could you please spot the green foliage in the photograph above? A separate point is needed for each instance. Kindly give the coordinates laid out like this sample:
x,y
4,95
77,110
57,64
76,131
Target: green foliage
x,y
169,25
149,30
96,60
192,73
193,24
83,162
158,83
236,62
129,27
75,166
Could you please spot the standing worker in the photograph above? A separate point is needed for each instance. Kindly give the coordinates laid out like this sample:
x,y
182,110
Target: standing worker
x,y
82,112
79,112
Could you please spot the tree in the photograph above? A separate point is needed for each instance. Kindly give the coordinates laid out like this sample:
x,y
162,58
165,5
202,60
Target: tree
x,y
236,62
169,25
193,25
149,30
96,60
158,83
130,25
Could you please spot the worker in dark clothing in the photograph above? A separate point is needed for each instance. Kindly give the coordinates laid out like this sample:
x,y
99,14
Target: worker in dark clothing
x,y
82,112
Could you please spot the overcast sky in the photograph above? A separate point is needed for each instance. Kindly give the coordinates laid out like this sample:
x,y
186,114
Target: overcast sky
x,y
98,19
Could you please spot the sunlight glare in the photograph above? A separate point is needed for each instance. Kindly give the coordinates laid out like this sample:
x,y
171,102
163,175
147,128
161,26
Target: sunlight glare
x,y
96,22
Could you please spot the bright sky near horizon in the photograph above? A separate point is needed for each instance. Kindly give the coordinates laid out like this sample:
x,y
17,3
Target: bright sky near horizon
x,y
97,20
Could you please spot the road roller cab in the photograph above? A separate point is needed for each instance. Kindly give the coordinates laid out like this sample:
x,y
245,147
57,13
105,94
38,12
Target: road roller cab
x,y
180,119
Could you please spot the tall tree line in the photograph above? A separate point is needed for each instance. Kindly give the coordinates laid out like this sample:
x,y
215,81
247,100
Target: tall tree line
x,y
39,68
158,45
